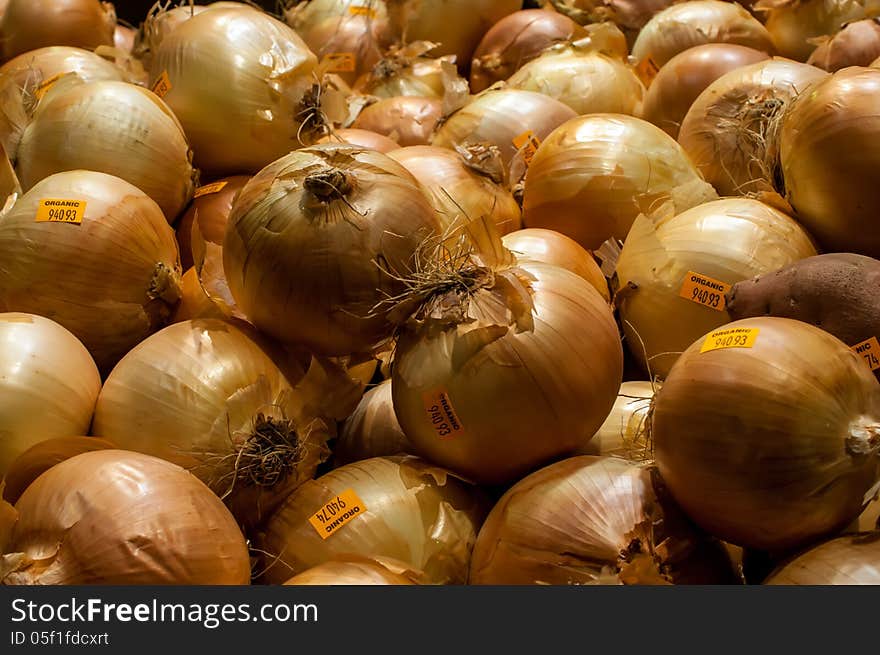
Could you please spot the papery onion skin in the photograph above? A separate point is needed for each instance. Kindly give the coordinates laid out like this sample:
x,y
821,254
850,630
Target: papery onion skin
x,y
773,446
847,560
688,24
588,177
211,211
593,520
521,399
194,302
115,128
126,280
49,384
345,572
857,44
550,247
793,24
411,511
831,162
731,131
681,80
728,240
31,24
516,39
363,138
304,15
372,210
629,15
624,431
372,430
116,517
359,35
408,120
400,75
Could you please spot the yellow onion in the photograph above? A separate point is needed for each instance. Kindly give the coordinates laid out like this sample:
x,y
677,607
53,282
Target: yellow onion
x,y
112,279
629,15
684,77
795,24
31,24
210,209
731,131
120,518
515,40
831,160
349,571
593,520
48,387
411,71
848,560
549,247
624,430
372,430
110,127
362,138
487,380
395,507
318,239
588,81
195,301
769,446
725,241
688,24
304,15
241,68
589,177
856,44
408,120
462,185
356,36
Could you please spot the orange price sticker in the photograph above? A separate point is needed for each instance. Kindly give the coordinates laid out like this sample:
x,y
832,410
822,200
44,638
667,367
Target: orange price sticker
x,y
162,85
704,291
338,512
340,62
214,187
730,338
647,70
441,413
44,87
357,10
870,352
61,210
528,143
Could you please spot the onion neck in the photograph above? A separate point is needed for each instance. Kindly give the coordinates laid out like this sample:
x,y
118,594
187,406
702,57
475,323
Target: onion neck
x,y
165,284
328,185
269,454
863,439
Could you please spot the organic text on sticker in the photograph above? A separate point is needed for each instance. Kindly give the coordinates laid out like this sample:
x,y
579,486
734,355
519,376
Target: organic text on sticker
x,y
528,143
730,338
340,62
341,510
869,351
55,210
704,291
442,414
162,85
43,89
214,187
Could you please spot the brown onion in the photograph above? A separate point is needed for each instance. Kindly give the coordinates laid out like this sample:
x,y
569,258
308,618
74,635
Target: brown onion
x,y
357,36
593,520
684,77
408,120
115,517
856,44
210,209
349,571
363,138
372,430
768,438
794,25
848,560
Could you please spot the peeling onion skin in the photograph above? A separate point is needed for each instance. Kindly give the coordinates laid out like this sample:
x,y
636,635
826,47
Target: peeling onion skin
x,y
594,520
857,44
408,120
847,560
348,572
372,429
774,446
112,517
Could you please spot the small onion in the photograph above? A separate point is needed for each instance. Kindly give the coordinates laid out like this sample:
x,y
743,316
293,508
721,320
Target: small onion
x,y
549,247
462,186
210,209
48,387
31,24
856,44
115,128
372,430
349,571
688,24
304,239
731,131
408,120
848,560
770,446
830,154
356,35
409,511
412,72
727,241
120,518
795,24
684,77
590,175
623,432
515,40
111,280
362,138
593,520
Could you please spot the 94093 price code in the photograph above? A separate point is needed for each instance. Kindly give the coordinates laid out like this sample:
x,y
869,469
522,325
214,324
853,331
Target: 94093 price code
x,y
60,210
730,338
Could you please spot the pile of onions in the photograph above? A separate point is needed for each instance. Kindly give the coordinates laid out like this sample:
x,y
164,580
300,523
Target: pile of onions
x,y
372,429
318,239
31,24
686,76
773,445
208,213
515,40
731,131
856,44
350,570
358,35
590,176
849,560
588,81
593,520
549,247
408,120
120,518
462,185
688,24
794,25
112,280
110,127
216,66
830,156
499,117
362,138
624,431
727,241
49,384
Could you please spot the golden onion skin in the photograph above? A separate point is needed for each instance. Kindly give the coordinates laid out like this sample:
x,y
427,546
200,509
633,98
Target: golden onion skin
x,y
211,211
795,24
363,138
847,560
372,429
349,571
408,120
30,24
856,44
623,434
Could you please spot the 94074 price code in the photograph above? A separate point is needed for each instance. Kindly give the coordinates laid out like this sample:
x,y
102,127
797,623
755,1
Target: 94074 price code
x,y
337,512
